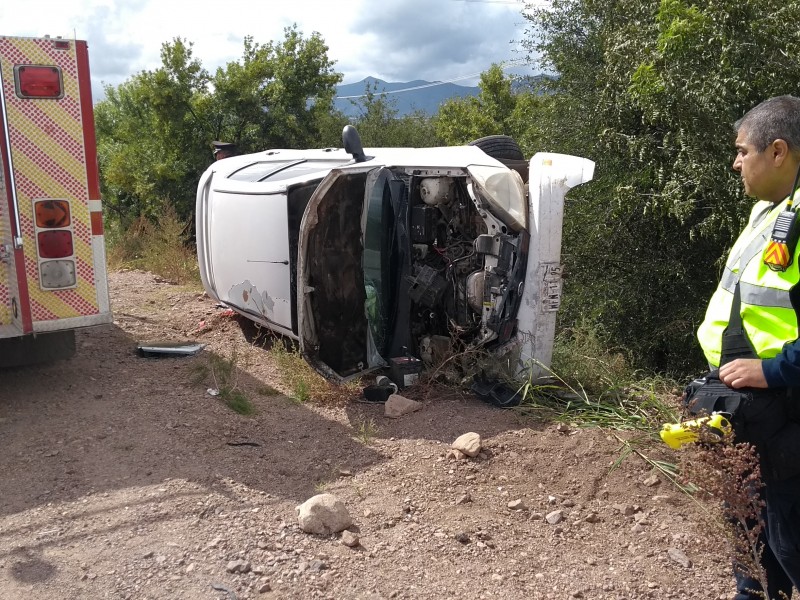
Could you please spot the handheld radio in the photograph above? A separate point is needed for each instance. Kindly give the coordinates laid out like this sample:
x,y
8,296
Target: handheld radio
x,y
780,249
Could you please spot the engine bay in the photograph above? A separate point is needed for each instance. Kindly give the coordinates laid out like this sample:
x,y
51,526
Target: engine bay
x,y
463,261
433,272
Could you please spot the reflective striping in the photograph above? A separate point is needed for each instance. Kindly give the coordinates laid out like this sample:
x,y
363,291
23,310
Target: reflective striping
x,y
728,280
757,295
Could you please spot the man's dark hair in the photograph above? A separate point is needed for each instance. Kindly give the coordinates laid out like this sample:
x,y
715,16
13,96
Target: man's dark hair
x,y
776,118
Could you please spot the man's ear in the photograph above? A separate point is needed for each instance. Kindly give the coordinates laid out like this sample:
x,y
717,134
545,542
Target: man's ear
x,y
779,150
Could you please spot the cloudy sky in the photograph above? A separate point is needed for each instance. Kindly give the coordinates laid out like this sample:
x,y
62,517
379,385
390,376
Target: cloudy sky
x,y
394,40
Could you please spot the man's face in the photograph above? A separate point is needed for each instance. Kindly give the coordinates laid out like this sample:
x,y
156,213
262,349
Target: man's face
x,y
757,170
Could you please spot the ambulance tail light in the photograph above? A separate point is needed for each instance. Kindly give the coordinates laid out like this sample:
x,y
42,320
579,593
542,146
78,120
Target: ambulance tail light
x,y
55,240
36,81
52,213
57,274
55,244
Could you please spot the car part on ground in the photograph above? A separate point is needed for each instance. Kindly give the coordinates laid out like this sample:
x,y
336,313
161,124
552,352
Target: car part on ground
x,y
496,392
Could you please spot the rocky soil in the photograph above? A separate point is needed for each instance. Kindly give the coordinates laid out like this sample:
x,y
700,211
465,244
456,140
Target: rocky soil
x,y
123,478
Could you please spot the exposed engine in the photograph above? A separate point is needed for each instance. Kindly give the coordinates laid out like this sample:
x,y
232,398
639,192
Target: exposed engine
x,y
450,286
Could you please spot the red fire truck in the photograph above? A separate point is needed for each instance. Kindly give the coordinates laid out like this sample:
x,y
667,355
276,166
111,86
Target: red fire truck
x,y
53,275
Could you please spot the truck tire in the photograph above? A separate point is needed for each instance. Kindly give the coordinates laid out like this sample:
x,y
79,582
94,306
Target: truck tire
x,y
505,149
501,147
41,348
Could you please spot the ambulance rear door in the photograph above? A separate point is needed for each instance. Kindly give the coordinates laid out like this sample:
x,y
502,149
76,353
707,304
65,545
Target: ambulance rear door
x,y
52,188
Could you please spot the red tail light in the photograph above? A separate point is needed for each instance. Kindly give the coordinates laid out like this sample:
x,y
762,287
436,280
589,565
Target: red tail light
x,y
55,244
33,81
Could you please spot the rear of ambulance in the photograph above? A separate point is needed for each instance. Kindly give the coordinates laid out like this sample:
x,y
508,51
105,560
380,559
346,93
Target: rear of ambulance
x,y
53,275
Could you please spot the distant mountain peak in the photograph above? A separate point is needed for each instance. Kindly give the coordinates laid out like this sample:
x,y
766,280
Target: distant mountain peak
x,y
406,96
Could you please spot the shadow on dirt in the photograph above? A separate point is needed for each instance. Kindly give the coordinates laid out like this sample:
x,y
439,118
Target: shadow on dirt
x,y
108,419
29,567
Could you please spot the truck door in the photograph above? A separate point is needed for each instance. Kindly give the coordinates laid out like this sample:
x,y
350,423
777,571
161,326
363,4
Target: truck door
x,y
10,313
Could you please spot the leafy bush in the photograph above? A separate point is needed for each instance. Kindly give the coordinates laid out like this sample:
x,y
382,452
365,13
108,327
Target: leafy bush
x,y
649,89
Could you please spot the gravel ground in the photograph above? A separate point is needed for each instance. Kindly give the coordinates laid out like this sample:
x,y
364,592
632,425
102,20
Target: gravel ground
x,y
124,478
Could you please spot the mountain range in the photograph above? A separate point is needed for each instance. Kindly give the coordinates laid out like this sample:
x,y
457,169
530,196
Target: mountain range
x,y
405,97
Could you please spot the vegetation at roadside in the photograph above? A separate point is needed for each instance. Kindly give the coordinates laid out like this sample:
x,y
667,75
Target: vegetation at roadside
x,y
649,89
591,386
303,382
366,430
222,372
160,246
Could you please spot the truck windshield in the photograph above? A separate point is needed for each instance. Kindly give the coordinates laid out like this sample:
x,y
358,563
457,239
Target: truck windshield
x,y
380,260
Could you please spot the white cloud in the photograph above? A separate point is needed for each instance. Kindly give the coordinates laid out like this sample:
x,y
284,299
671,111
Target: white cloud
x,y
395,40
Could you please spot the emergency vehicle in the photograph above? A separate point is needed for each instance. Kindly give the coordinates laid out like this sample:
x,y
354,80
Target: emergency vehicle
x,y
53,275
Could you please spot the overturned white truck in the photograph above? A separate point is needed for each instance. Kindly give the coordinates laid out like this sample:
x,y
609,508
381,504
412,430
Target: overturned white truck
x,y
372,257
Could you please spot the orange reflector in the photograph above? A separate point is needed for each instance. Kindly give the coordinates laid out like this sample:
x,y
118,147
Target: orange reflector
x,y
33,81
776,256
55,244
52,213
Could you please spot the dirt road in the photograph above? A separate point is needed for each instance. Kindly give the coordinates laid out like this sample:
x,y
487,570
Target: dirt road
x,y
123,478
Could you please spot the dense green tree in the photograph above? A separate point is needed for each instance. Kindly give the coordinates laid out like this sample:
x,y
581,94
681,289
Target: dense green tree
x,y
150,134
497,109
155,130
649,89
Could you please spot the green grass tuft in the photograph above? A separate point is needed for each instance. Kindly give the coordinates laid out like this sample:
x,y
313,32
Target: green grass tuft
x,y
237,401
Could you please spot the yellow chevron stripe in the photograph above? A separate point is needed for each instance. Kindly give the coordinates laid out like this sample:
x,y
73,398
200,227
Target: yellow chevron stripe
x,y
777,254
39,138
52,302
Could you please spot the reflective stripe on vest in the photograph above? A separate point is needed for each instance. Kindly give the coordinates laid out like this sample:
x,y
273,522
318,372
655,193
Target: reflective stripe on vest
x,y
767,312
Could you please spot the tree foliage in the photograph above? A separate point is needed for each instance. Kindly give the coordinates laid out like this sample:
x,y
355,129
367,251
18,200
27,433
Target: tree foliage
x,y
149,136
649,89
498,109
155,130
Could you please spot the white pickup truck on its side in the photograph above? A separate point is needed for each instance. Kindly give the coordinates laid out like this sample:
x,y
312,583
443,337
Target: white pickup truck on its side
x,y
364,255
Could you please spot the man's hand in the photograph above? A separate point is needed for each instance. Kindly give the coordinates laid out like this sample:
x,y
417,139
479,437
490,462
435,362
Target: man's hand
x,y
743,372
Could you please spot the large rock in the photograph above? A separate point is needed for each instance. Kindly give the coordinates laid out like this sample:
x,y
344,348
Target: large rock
x,y
323,514
397,406
469,444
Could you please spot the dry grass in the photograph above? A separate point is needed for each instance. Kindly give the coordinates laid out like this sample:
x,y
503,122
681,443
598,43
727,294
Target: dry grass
x,y
304,383
161,247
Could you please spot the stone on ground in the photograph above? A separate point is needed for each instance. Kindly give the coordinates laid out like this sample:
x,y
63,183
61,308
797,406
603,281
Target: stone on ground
x,y
469,444
323,514
397,406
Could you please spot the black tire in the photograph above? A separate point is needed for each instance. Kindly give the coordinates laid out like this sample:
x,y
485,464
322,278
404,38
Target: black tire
x,y
41,348
501,147
505,149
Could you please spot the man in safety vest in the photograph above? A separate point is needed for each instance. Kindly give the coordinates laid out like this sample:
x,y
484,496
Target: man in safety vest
x,y
761,279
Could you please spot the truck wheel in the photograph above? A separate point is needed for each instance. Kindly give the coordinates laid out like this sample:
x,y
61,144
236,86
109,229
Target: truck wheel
x,y
505,149
41,348
499,147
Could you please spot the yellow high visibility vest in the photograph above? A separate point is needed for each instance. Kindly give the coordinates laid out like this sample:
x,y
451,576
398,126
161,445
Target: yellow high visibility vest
x,y
767,313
